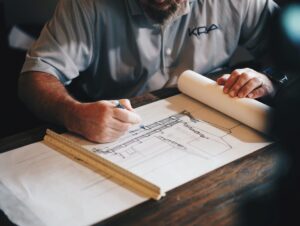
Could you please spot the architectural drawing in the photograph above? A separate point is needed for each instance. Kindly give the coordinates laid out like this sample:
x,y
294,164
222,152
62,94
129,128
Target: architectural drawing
x,y
180,132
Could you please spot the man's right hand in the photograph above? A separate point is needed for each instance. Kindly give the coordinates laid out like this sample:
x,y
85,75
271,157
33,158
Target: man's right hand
x,y
101,121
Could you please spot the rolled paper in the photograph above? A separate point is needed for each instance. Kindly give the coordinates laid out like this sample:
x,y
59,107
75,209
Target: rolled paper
x,y
248,111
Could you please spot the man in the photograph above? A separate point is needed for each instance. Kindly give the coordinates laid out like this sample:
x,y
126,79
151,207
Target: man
x,y
124,48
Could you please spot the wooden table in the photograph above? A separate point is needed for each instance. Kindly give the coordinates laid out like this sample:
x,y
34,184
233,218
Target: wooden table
x,y
213,199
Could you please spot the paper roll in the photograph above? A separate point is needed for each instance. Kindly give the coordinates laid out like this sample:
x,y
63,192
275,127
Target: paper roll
x,y
248,111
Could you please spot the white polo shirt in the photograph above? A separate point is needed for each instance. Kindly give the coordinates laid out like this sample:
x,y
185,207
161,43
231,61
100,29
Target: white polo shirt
x,y
118,52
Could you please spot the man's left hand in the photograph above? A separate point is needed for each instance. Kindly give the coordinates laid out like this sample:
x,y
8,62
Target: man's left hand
x,y
247,82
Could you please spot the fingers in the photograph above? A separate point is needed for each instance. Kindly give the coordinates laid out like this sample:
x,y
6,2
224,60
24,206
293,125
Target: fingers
x,y
118,122
246,83
102,121
125,116
118,125
231,81
221,81
107,135
257,93
249,86
126,103
108,130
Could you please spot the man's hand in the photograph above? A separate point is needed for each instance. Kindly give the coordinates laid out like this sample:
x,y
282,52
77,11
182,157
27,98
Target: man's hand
x,y
246,83
102,121
99,121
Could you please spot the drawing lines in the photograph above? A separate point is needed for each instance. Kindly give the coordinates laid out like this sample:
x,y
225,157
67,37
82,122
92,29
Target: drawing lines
x,y
177,133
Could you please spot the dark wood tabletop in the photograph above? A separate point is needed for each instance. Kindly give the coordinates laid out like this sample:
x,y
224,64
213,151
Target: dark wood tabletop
x,y
212,199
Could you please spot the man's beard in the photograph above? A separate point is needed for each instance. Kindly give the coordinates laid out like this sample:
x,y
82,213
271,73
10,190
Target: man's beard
x,y
162,16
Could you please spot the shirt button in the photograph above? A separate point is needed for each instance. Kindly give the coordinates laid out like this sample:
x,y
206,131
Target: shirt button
x,y
168,51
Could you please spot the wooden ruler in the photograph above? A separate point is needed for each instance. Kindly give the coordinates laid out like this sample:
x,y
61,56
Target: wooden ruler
x,y
122,175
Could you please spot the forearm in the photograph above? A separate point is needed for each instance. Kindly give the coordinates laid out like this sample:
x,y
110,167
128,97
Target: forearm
x,y
98,121
46,97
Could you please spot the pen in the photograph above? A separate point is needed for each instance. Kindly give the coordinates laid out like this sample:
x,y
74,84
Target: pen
x,y
121,106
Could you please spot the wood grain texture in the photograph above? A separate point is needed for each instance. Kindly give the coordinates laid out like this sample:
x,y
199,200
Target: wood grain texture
x,y
213,199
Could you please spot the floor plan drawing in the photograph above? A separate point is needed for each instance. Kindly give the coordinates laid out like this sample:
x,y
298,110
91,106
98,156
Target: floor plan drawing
x,y
178,133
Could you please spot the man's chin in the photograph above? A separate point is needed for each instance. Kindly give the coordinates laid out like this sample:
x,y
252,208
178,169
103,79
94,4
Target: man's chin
x,y
162,14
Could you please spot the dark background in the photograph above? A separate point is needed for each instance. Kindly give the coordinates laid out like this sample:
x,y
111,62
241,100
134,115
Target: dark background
x,y
29,15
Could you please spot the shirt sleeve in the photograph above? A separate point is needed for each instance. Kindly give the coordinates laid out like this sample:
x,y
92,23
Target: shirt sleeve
x,y
65,45
255,33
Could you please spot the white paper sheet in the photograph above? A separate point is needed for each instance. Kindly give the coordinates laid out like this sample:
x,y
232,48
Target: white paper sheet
x,y
182,140
248,111
43,187
179,132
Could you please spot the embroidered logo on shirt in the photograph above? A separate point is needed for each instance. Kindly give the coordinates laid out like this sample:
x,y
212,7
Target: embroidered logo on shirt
x,y
198,31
